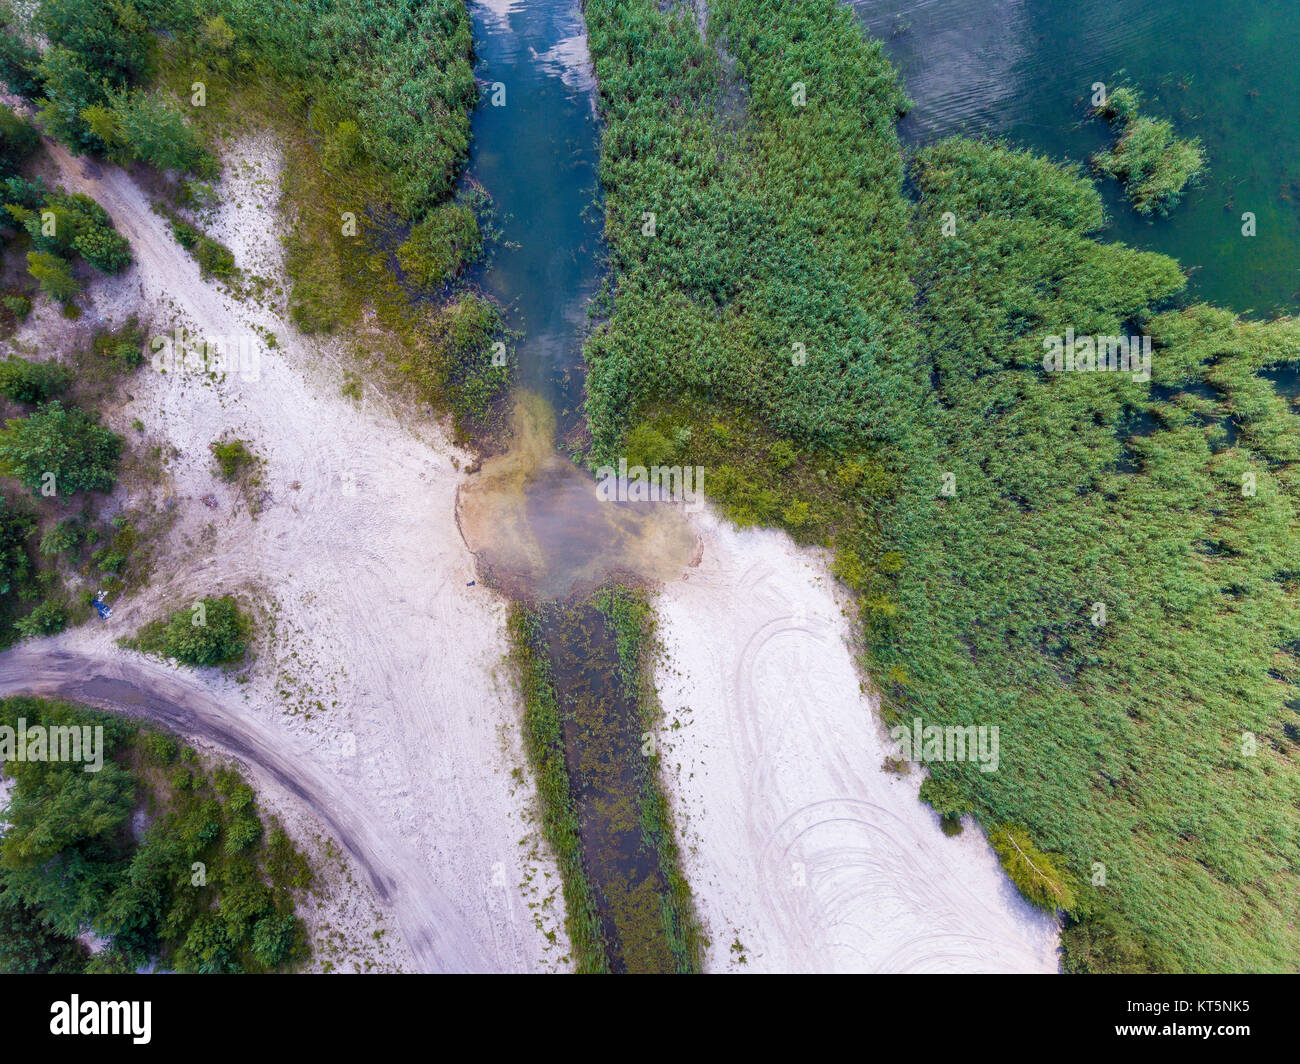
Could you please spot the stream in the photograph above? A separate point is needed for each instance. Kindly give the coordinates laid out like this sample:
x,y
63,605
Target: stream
x,y
531,515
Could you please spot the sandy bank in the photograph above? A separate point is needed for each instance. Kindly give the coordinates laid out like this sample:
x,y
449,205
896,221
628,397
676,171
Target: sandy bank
x,y
798,847
380,670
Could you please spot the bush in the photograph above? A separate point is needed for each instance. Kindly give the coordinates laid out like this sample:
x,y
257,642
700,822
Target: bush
x,y
82,227
18,306
186,235
32,382
782,455
1036,874
124,346
49,617
62,537
457,366
233,457
273,939
646,446
103,246
17,139
221,638
215,260
18,63
65,442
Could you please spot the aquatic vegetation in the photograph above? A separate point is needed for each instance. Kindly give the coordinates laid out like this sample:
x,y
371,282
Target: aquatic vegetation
x,y
589,706
544,743
1154,164
1123,606
440,245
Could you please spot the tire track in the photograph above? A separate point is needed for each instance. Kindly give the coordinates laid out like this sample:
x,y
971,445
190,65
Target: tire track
x,y
158,695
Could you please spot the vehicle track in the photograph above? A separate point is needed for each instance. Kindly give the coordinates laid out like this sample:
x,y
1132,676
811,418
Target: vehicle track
x,y
164,697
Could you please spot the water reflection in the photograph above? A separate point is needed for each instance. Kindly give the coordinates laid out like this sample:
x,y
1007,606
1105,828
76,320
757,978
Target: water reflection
x,y
1223,70
531,515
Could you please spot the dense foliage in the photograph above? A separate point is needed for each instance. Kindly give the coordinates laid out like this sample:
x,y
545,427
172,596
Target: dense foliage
x,y
214,631
167,859
24,381
1105,567
59,450
1154,164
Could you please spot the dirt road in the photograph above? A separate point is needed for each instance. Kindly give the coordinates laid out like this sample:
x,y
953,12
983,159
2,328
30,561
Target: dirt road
x,y
377,699
166,697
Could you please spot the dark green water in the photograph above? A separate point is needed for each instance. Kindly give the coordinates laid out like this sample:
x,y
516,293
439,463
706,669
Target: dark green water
x,y
1226,71
537,157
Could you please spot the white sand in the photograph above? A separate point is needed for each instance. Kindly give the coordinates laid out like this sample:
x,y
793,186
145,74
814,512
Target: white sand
x,y
381,698
384,676
797,844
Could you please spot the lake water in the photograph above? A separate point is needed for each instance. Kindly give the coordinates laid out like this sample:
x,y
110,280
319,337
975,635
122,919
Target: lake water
x,y
1225,71
530,515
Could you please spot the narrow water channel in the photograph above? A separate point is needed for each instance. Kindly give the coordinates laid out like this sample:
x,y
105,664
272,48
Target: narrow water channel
x,y
532,517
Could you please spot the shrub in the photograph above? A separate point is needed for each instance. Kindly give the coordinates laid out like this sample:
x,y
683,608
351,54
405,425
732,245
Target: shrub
x,y
221,638
49,617
215,260
458,367
1037,875
32,382
65,442
186,235
782,455
18,139
273,939
62,537
91,231
15,527
18,306
796,515
646,446
18,63
124,346
233,457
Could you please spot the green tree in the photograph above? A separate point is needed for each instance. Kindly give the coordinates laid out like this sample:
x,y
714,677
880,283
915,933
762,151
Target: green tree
x,y
54,275
66,442
69,89
111,38
15,527
28,946
145,126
